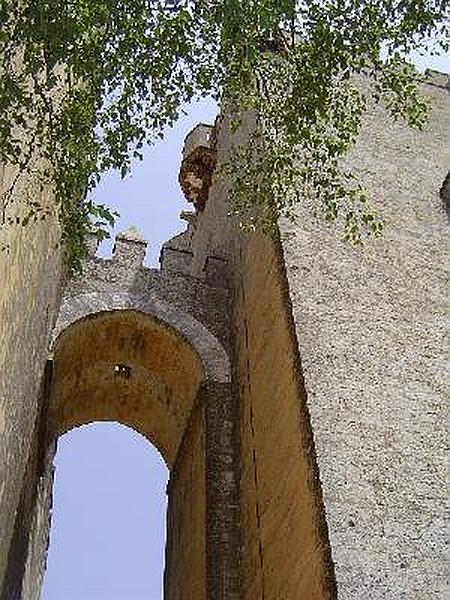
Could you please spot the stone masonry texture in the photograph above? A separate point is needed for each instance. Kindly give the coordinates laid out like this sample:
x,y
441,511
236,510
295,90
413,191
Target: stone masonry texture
x,y
372,326
30,280
296,387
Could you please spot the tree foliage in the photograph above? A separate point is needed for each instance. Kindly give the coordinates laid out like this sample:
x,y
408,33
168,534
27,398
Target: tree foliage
x,y
86,83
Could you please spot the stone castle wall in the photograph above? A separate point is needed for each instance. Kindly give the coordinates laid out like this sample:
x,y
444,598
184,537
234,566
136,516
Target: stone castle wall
x,y
30,275
30,283
285,552
185,565
284,547
326,445
372,326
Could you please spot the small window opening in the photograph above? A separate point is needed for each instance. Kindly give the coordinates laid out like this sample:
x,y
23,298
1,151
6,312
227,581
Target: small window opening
x,y
123,371
445,194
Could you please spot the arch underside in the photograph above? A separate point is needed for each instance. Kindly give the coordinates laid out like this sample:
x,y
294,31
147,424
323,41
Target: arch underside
x,y
124,366
215,361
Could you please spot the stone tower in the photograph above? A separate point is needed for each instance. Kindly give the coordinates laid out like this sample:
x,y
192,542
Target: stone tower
x,y
295,387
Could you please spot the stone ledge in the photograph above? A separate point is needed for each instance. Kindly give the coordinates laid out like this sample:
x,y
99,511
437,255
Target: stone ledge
x,y
437,79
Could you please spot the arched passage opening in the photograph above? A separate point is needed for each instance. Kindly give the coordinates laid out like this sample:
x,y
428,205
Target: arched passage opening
x,y
160,372
134,369
125,366
107,535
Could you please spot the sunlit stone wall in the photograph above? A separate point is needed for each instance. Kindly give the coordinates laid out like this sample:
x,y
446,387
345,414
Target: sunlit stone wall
x,y
30,276
371,324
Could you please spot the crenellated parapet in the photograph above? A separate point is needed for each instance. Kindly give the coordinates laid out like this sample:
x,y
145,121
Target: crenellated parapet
x,y
176,255
206,299
129,248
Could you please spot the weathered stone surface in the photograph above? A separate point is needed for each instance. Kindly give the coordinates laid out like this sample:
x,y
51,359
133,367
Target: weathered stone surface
x,y
27,552
185,568
290,479
285,552
222,505
30,275
371,325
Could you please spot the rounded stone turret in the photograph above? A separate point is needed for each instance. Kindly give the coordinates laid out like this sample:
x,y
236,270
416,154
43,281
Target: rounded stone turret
x,y
199,161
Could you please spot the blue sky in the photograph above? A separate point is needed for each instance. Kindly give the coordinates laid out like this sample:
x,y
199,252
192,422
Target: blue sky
x,y
107,535
108,529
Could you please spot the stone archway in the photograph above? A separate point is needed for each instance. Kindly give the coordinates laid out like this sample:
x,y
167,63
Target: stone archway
x,y
163,373
214,358
125,366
